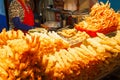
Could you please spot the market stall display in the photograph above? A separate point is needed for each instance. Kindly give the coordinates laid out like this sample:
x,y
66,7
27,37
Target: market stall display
x,y
51,55
48,56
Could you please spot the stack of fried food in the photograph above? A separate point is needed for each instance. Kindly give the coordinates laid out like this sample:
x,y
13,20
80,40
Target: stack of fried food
x,y
100,17
91,60
41,56
67,33
74,37
21,55
118,20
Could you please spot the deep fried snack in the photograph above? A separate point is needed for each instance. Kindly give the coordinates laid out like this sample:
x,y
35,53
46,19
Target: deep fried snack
x,y
9,35
102,18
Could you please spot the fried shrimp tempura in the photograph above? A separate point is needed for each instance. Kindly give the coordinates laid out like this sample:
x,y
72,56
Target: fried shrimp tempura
x,y
100,17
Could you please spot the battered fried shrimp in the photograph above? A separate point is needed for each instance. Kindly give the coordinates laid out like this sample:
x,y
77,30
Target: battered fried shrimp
x,y
10,35
100,17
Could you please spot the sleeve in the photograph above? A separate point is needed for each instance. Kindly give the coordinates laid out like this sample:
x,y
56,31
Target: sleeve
x,y
14,16
14,10
19,25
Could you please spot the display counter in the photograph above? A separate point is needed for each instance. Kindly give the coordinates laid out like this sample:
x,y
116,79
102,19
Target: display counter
x,y
49,56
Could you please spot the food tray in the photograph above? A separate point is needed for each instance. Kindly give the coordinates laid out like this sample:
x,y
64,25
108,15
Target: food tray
x,y
39,30
93,33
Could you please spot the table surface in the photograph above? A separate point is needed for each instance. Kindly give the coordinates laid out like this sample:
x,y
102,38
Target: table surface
x,y
113,76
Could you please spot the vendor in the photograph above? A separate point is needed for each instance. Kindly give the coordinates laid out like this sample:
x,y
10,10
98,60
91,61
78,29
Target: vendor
x,y
21,15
